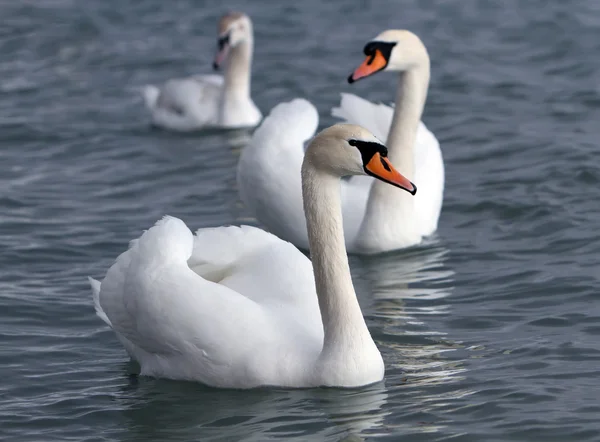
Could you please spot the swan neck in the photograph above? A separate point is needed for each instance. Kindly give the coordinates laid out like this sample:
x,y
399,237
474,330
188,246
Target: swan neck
x,y
238,73
389,217
410,101
342,318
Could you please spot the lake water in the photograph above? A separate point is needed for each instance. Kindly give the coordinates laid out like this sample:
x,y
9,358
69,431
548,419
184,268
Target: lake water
x,y
489,332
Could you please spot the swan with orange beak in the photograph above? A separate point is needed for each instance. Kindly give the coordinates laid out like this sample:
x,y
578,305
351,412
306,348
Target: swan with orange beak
x,y
377,217
411,145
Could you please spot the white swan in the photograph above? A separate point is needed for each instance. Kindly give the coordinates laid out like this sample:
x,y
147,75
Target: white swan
x,y
202,101
236,307
376,218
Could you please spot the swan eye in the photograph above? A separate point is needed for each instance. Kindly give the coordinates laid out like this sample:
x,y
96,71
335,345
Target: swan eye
x,y
369,48
223,41
369,148
383,46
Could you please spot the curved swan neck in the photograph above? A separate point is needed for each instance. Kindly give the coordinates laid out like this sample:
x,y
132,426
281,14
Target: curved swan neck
x,y
238,73
343,323
410,101
389,220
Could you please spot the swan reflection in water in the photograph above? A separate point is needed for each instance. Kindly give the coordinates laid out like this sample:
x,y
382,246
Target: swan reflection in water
x,y
403,294
164,410
400,293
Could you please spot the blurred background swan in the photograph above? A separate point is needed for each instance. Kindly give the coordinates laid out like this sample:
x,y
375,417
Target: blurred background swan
x,y
202,101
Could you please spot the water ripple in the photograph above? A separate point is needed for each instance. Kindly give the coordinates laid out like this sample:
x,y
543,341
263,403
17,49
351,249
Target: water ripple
x,y
489,330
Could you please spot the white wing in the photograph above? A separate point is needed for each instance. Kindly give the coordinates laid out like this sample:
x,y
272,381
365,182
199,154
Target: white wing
x,y
257,302
268,173
185,104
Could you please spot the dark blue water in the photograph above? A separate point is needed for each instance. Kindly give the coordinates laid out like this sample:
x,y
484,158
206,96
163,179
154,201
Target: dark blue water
x,y
489,332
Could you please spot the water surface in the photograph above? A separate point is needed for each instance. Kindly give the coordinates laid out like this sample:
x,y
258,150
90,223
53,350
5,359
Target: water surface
x,y
489,331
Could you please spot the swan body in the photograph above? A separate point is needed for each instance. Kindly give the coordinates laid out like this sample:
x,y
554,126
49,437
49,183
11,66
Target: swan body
x,y
237,307
202,101
377,218
269,170
206,307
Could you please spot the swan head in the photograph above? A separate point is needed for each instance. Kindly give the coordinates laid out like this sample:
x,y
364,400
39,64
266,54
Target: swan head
x,y
234,29
392,50
348,149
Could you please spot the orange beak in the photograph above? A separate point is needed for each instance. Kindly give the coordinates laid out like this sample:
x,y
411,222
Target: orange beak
x,y
372,64
381,168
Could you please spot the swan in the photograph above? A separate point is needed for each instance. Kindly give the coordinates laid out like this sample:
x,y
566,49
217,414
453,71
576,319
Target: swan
x,y
411,144
202,101
376,218
237,307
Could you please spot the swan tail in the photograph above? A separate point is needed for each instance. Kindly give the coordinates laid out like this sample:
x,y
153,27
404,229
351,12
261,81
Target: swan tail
x,y
292,120
150,94
355,110
219,248
95,285
168,238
